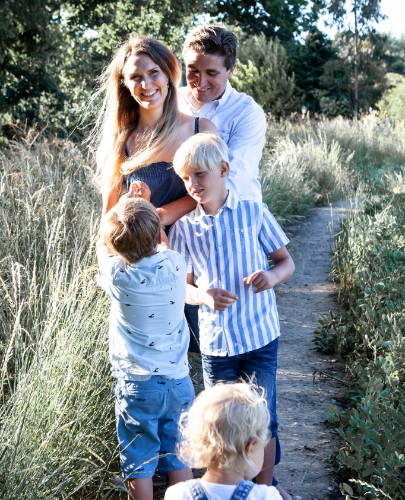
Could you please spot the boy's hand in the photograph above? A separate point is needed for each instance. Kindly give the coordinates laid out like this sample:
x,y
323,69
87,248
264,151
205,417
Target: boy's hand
x,y
261,280
217,299
138,189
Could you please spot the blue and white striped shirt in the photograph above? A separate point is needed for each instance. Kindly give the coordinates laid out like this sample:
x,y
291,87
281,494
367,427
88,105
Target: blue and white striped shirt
x,y
221,250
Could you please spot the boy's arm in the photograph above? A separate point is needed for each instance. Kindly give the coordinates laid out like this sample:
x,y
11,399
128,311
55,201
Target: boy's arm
x,y
283,268
102,250
215,298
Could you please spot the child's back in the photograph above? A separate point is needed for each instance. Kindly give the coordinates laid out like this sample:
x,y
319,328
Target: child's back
x,y
148,330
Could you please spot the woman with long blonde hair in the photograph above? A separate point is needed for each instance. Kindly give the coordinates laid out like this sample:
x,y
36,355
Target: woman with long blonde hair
x,y
140,127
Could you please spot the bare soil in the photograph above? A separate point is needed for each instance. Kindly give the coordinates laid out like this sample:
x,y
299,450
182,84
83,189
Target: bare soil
x,y
307,442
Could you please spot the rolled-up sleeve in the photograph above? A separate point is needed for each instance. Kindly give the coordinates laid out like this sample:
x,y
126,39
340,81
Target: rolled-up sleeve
x,y
245,147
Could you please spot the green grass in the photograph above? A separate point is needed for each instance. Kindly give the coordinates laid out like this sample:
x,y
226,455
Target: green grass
x,y
57,429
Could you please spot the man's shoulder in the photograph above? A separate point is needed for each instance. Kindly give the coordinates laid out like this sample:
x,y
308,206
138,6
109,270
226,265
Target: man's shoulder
x,y
241,99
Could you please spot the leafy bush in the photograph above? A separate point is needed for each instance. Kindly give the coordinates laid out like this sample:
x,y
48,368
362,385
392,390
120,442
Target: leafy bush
x,y
392,103
369,263
263,73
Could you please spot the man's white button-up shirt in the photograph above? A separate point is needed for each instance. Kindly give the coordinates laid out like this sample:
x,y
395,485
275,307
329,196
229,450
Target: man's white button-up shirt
x,y
242,125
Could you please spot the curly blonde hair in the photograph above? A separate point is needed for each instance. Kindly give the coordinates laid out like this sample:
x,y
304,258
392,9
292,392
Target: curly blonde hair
x,y
219,425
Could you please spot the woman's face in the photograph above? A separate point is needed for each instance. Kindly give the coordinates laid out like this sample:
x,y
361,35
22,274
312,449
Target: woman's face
x,y
146,81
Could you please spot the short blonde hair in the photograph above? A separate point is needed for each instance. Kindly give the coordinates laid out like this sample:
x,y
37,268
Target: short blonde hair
x,y
205,150
132,229
219,425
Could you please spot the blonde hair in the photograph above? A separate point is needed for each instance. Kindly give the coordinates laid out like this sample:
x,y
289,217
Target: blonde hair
x,y
131,229
120,113
205,150
219,425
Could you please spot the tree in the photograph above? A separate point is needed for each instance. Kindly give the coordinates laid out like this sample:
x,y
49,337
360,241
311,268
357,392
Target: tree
x,y
263,72
51,53
309,61
274,18
336,95
365,12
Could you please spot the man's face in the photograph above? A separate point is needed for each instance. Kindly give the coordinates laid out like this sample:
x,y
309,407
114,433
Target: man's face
x,y
206,76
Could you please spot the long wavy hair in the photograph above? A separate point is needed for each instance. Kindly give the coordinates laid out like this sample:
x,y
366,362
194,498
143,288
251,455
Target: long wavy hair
x,y
120,113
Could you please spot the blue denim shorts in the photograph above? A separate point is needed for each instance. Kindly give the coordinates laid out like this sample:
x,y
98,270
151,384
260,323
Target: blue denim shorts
x,y
262,363
147,415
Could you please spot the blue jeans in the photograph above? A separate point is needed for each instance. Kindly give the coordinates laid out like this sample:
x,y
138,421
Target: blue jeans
x,y
147,415
262,363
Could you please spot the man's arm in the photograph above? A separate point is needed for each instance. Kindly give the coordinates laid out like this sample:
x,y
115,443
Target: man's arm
x,y
245,150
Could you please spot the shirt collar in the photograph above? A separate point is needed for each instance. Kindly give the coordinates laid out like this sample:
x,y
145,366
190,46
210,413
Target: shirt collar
x,y
231,202
215,102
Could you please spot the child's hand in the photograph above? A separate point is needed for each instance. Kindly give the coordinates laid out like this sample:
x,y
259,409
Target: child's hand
x,y
217,299
139,189
261,280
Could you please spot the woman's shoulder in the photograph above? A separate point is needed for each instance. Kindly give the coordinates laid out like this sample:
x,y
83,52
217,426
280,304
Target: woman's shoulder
x,y
204,125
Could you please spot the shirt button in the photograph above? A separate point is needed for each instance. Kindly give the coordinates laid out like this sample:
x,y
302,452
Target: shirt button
x,y
194,112
220,244
223,272
241,230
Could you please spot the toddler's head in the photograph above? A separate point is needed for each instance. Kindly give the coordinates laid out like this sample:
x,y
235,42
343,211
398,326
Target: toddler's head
x,y
203,163
132,229
226,428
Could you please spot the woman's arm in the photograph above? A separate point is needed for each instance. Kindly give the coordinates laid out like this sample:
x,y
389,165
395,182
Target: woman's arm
x,y
111,199
175,210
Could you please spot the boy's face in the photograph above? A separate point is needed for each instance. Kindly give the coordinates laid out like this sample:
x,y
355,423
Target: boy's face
x,y
205,185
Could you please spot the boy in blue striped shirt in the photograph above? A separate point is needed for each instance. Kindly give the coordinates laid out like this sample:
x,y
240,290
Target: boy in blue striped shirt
x,y
225,242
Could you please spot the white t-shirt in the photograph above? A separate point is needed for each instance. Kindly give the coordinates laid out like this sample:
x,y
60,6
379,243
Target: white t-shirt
x,y
222,492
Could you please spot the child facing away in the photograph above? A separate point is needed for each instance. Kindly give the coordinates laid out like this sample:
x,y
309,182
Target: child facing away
x,y
225,430
148,342
225,242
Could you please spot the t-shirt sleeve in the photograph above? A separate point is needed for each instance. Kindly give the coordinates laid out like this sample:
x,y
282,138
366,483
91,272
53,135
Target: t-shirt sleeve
x,y
178,243
109,265
271,236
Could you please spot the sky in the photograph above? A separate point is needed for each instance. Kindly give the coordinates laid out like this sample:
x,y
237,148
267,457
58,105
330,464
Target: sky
x,y
395,22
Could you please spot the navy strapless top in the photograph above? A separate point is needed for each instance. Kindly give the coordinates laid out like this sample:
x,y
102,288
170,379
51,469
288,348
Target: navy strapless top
x,y
165,185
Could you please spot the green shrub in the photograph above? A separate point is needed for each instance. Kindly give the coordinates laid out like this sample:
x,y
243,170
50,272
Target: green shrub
x,y
392,103
369,330
263,73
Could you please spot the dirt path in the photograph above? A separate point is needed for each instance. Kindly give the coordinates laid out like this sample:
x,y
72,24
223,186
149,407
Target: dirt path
x,y
301,403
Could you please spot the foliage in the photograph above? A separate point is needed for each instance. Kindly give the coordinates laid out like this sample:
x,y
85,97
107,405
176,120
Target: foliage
x,y
309,61
336,95
263,73
369,263
51,53
367,11
273,18
392,103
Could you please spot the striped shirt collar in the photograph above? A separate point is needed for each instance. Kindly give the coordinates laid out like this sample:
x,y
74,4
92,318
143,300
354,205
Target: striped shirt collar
x,y
216,102
231,202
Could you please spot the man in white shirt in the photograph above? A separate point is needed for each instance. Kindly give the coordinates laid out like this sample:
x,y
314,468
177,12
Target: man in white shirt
x,y
210,58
